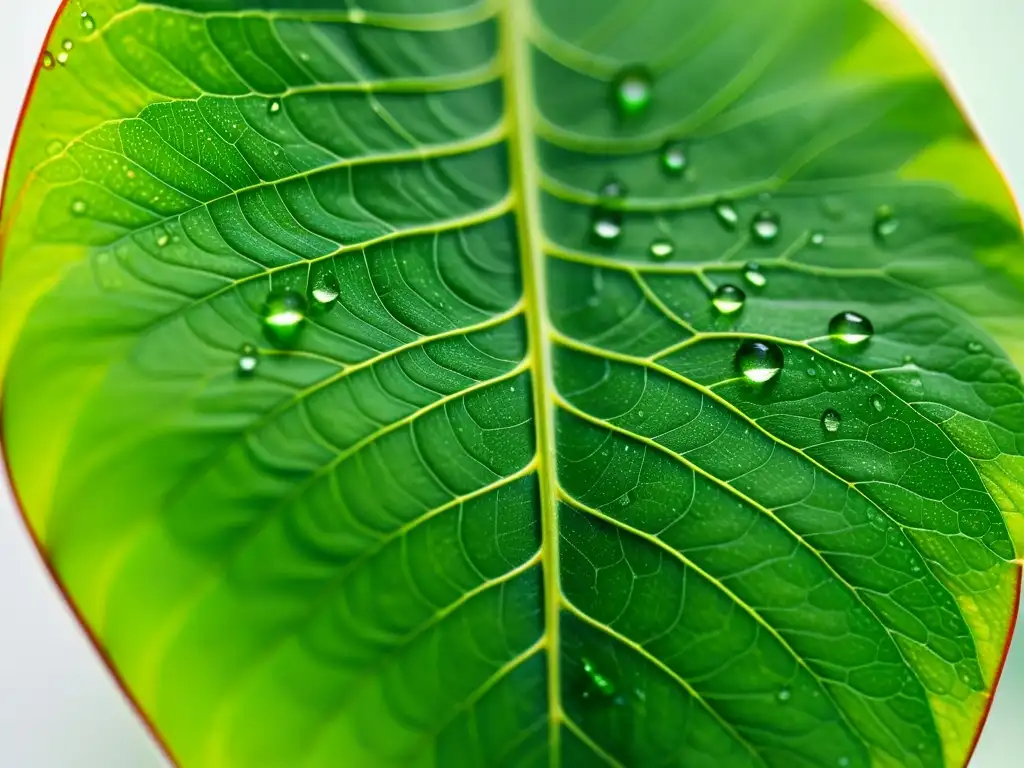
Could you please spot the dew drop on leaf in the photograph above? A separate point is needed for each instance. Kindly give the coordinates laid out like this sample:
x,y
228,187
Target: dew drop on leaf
x,y
88,22
975,347
886,224
843,762
284,314
607,225
612,189
62,58
759,361
728,299
662,248
79,207
850,328
47,62
831,420
726,214
673,158
631,90
765,228
67,45
162,239
752,274
878,403
326,289
599,681
817,239
274,106
248,359
784,695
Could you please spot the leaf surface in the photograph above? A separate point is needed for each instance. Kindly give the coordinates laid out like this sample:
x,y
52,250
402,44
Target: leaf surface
x,y
365,424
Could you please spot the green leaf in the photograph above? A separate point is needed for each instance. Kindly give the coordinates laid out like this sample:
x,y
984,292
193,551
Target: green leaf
x,y
380,382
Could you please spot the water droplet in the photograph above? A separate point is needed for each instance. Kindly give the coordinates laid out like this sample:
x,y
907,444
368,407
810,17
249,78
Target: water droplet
x,y
248,359
726,214
878,403
47,61
67,45
765,228
728,299
602,683
784,695
326,289
831,420
851,328
673,158
274,106
62,58
759,361
88,22
54,148
612,189
607,225
844,761
812,372
162,240
886,224
79,207
662,249
752,274
975,347
284,314
632,90
817,239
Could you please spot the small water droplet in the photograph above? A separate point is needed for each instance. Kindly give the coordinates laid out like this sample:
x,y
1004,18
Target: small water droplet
x,y
784,695
662,249
612,189
88,22
975,347
67,45
765,228
248,359
812,372
752,274
850,328
878,403
886,224
844,761
326,289
759,361
602,683
673,158
726,214
728,299
163,239
47,62
79,207
817,239
631,90
62,58
831,420
284,314
607,225
274,106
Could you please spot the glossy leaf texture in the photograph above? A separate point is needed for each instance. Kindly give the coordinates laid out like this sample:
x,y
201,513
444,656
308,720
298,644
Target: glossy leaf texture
x,y
478,383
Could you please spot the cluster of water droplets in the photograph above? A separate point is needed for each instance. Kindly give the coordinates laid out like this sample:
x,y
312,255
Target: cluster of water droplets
x,y
49,59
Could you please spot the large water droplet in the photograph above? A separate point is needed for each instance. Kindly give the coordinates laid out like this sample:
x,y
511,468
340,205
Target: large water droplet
x,y
326,289
62,58
88,22
886,224
662,249
248,359
602,683
752,274
274,106
47,61
831,420
851,328
759,361
728,299
765,228
673,158
631,90
878,403
607,225
726,214
284,314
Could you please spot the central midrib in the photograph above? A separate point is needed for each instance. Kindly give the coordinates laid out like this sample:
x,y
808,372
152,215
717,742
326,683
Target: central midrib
x,y
525,181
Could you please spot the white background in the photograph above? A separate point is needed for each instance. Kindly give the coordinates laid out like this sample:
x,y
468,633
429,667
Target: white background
x,y
59,708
